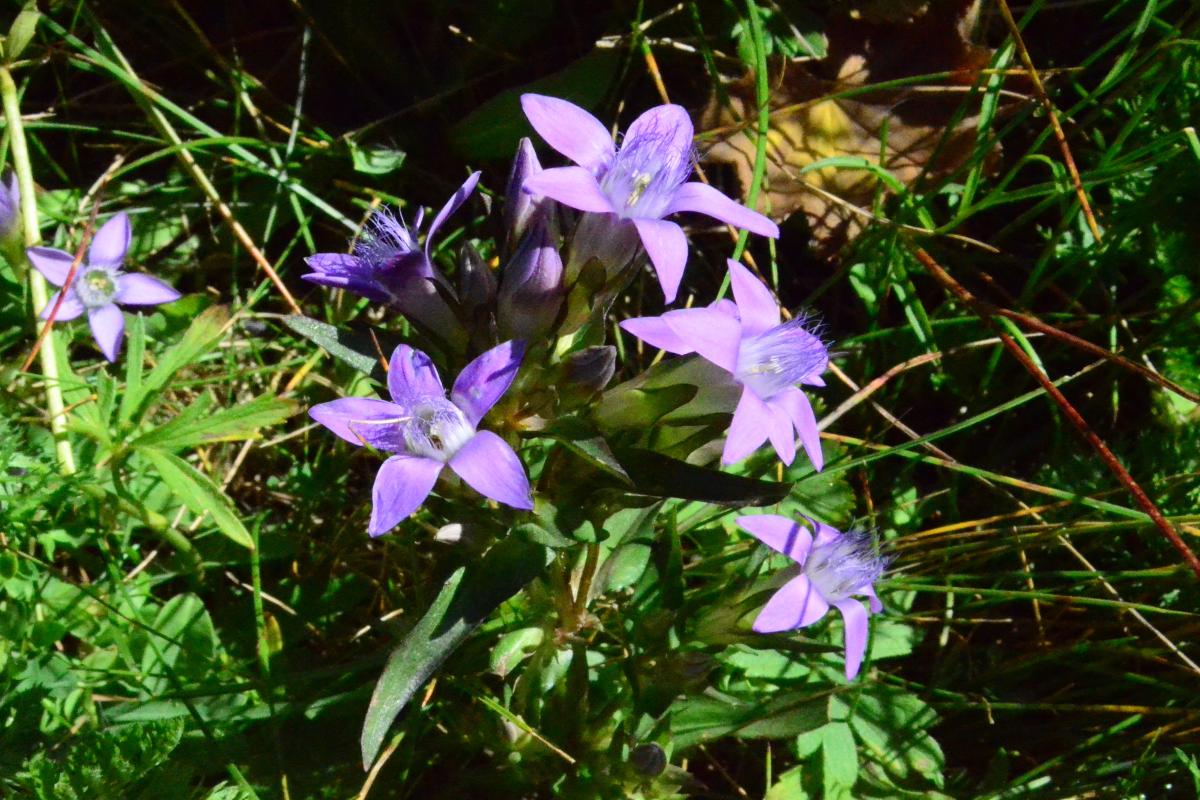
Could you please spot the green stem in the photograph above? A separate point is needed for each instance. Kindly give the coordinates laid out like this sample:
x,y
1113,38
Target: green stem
x,y
48,355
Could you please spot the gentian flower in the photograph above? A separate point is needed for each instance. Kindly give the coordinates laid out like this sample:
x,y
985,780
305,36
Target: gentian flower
x,y
10,208
642,182
387,257
766,356
424,431
834,566
100,284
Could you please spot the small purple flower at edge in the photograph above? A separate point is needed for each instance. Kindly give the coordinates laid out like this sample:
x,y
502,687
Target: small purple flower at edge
x,y
834,566
425,432
387,257
10,207
644,181
100,284
767,357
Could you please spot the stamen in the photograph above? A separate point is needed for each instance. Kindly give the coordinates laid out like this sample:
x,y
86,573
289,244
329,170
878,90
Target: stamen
x,y
840,568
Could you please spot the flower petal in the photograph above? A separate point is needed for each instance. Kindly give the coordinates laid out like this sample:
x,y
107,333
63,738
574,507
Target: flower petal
x,y
571,186
781,534
570,130
668,250
108,325
796,605
412,375
855,617
486,379
456,200
711,333
363,420
54,264
795,402
780,433
748,429
71,307
111,242
657,332
669,124
704,199
756,305
402,484
869,591
490,467
138,289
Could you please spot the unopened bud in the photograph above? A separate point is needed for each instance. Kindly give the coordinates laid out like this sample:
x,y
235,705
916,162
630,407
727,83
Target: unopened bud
x,y
520,206
589,370
648,759
531,287
10,208
476,283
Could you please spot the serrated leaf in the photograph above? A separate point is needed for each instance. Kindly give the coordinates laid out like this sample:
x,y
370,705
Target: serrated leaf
x,y
356,349
198,492
469,595
200,337
243,421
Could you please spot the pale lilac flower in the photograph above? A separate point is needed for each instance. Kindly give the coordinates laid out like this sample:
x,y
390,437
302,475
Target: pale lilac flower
x,y
10,208
642,182
425,432
766,356
834,566
100,284
387,261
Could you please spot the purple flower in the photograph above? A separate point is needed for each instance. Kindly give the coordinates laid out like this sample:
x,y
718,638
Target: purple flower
x,y
767,357
10,207
834,567
100,284
386,259
531,287
426,432
644,181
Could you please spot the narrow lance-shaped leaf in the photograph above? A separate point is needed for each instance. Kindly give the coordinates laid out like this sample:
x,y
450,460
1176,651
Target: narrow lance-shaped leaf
x,y
469,595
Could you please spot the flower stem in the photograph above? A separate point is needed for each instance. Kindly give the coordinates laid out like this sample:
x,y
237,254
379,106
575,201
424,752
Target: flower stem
x,y
48,356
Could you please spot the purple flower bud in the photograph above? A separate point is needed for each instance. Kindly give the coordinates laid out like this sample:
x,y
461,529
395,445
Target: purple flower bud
x,y
605,237
476,283
10,208
521,206
589,370
531,288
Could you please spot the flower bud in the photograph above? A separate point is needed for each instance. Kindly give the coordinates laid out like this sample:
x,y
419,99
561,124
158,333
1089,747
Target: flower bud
x,y
476,283
648,759
520,206
531,287
588,371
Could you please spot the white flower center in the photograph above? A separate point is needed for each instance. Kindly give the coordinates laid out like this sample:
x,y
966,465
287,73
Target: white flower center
x,y
97,286
436,429
844,566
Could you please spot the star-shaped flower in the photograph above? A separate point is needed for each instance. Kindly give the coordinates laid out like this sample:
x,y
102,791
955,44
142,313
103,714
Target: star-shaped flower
x,y
642,182
425,432
387,261
100,284
834,566
766,356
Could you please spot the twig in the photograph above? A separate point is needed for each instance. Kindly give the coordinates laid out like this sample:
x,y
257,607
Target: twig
x,y
1106,455
1040,88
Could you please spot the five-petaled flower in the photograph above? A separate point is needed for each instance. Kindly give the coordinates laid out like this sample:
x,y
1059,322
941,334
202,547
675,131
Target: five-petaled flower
x,y
387,262
425,432
99,284
834,566
642,182
767,357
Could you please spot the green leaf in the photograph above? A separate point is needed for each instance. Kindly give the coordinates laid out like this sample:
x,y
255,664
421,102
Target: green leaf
x,y
839,761
198,492
657,475
699,719
491,131
354,348
227,425
375,159
469,595
582,440
21,32
200,337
